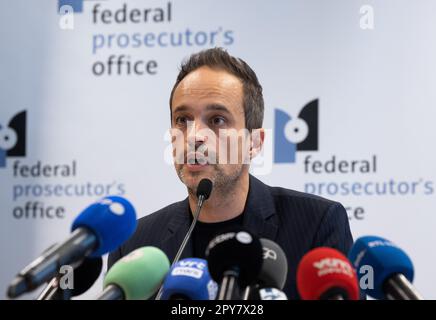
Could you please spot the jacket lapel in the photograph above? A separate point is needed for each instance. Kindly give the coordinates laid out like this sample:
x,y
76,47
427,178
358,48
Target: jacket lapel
x,y
177,229
259,212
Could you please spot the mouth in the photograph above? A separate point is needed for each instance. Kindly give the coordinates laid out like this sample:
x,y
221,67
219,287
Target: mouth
x,y
196,161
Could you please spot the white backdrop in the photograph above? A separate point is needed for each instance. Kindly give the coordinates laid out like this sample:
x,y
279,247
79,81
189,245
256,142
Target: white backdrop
x,y
374,85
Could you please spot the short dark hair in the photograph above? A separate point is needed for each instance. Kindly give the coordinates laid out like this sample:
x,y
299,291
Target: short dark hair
x,y
218,58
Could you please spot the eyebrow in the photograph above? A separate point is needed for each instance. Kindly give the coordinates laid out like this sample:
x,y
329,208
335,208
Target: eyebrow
x,y
209,107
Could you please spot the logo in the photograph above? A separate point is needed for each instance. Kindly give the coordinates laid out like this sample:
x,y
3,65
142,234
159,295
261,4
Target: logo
x,y
187,272
244,237
114,207
194,268
193,264
359,258
272,294
292,134
381,243
13,138
269,254
219,239
333,265
76,5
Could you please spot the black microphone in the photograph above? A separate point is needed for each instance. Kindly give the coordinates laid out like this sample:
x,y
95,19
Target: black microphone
x,y
84,277
204,190
235,260
273,273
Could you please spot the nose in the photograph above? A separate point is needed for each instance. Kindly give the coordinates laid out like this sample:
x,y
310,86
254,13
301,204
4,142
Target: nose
x,y
197,134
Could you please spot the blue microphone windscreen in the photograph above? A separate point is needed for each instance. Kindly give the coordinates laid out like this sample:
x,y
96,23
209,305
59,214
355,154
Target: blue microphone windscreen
x,y
189,279
375,260
112,220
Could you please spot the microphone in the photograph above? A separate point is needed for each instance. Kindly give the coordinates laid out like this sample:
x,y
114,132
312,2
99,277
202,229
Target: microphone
x,y
189,279
235,260
274,270
136,276
390,268
326,274
204,189
84,277
99,229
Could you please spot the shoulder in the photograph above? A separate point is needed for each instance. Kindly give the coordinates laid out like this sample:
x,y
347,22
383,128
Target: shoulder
x,y
297,211
152,227
311,218
298,195
292,202
149,231
161,216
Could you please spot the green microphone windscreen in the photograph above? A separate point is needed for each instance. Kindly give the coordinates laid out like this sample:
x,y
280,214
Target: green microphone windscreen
x,y
140,273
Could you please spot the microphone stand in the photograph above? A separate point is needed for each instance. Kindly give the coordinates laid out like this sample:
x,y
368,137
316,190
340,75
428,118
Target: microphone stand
x,y
201,199
53,292
399,288
229,288
200,202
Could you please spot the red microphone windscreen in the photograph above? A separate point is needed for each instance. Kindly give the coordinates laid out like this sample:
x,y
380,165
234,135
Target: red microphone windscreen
x,y
325,271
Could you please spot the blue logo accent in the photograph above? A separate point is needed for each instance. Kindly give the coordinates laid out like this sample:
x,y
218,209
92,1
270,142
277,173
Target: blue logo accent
x,y
284,151
292,134
13,138
77,5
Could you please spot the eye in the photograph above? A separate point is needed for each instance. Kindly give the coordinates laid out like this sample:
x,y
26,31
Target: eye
x,y
218,121
181,120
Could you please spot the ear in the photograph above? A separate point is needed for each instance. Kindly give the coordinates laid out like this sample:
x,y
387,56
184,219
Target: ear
x,y
257,139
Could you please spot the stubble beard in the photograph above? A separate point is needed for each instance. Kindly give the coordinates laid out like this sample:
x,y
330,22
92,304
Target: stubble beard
x,y
223,183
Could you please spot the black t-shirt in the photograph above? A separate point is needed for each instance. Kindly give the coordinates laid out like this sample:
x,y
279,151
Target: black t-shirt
x,y
204,232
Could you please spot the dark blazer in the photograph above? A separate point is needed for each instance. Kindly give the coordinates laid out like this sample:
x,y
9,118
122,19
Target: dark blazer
x,y
297,221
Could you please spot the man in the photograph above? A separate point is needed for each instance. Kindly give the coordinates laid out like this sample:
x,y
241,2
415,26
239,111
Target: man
x,y
217,97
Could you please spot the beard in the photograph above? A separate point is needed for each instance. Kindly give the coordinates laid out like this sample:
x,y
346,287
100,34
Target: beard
x,y
224,181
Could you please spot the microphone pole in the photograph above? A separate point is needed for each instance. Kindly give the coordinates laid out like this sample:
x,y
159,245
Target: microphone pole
x,y
229,288
204,190
246,294
53,291
399,288
49,290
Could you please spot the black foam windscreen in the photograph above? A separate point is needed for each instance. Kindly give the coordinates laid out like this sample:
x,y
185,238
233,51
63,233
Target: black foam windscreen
x,y
86,274
275,266
235,251
204,188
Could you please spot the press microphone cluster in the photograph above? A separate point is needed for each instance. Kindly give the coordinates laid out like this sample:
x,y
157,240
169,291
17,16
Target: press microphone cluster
x,y
99,229
238,265
375,266
235,260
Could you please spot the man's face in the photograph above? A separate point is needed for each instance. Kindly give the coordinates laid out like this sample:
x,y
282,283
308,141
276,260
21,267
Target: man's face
x,y
207,110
